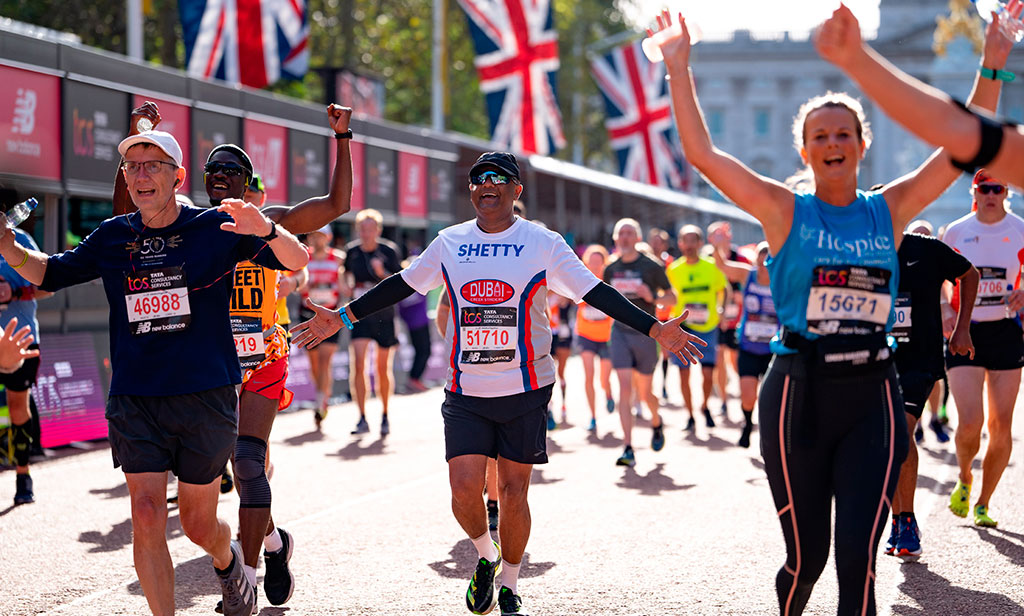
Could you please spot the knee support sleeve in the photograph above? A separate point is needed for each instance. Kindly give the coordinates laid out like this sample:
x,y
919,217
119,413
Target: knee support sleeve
x,y
21,438
250,473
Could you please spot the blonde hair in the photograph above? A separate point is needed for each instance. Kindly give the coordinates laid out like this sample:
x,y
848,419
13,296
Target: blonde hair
x,y
371,214
595,249
804,178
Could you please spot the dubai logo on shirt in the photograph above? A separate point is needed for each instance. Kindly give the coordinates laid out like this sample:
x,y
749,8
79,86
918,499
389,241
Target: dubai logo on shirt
x,y
487,292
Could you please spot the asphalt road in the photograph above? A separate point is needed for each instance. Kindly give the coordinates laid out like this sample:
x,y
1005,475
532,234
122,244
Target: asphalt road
x,y
690,530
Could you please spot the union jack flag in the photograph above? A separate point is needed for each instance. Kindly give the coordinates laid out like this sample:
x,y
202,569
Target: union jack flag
x,y
517,57
252,42
639,121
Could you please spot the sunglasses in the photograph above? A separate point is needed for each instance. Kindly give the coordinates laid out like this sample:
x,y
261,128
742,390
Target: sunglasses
x,y
993,189
152,167
496,178
228,169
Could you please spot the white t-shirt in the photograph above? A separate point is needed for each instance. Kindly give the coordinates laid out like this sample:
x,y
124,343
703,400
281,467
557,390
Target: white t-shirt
x,y
997,251
499,340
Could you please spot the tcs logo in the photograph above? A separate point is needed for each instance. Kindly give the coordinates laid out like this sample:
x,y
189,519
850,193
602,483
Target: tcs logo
x,y
833,278
137,283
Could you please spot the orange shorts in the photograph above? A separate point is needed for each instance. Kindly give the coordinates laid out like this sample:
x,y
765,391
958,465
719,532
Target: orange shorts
x,y
268,381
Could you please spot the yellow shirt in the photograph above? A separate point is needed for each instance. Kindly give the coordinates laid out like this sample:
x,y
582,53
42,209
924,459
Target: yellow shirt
x,y
698,286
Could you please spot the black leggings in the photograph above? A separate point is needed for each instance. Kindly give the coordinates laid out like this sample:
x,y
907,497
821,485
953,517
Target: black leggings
x,y
843,437
420,338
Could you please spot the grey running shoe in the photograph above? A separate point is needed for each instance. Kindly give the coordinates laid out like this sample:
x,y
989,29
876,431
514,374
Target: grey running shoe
x,y
23,490
492,514
239,594
362,427
278,582
480,597
510,603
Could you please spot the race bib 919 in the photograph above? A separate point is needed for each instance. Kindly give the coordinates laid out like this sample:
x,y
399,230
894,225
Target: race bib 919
x,y
848,299
157,300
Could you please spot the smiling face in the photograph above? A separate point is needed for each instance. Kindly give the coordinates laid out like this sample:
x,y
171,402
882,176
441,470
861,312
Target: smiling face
x,y
220,185
832,146
152,192
494,201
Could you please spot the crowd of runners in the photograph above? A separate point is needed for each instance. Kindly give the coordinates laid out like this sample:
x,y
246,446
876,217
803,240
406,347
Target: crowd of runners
x,y
840,327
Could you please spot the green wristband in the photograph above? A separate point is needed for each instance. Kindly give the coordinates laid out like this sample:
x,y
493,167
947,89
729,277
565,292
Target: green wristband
x,y
993,74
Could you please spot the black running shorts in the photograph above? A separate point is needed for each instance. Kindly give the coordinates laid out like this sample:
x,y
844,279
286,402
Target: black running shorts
x,y
192,435
917,385
381,331
998,345
24,377
752,364
727,337
513,427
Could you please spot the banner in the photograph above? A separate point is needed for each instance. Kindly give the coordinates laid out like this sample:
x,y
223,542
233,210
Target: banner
x,y
30,124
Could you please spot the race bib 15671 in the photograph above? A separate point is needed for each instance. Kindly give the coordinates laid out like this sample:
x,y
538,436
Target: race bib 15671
x,y
848,299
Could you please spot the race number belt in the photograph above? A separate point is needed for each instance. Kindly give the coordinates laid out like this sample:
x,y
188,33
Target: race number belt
x,y
249,343
902,325
157,300
993,288
848,300
488,334
699,314
760,328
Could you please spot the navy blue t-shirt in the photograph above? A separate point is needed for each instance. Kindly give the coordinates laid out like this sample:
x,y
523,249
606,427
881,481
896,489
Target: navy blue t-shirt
x,y
168,291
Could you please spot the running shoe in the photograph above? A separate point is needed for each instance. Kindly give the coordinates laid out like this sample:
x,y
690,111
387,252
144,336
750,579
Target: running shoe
x,y
658,437
480,597
919,433
510,603
627,458
664,393
362,427
708,420
725,410
639,411
981,517
551,421
943,415
385,426
278,581
609,404
908,546
592,427
320,414
227,482
691,424
492,514
415,386
894,536
23,490
939,430
960,499
239,594
745,435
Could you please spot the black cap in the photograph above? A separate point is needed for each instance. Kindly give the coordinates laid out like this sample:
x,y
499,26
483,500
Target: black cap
x,y
505,161
237,151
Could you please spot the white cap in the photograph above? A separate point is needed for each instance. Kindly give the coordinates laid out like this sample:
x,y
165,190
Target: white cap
x,y
326,230
165,141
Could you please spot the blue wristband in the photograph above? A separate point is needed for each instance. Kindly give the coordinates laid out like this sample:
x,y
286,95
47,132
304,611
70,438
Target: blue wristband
x,y
345,319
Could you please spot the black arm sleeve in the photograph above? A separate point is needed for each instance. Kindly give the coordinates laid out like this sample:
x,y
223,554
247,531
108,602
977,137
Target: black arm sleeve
x,y
612,303
384,294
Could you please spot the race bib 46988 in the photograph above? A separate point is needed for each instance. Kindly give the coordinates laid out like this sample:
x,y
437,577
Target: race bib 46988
x,y
157,300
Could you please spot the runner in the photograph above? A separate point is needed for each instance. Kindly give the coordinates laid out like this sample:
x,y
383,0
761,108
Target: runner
x,y
925,263
720,238
369,260
759,324
261,345
658,240
18,304
829,399
991,237
593,330
496,270
172,374
702,290
325,286
641,280
559,315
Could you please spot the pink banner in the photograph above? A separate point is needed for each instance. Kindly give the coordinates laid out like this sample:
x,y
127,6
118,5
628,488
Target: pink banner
x,y
267,145
68,391
174,119
30,123
412,185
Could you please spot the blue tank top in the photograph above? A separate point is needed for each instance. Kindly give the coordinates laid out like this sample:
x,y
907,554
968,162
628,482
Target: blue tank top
x,y
838,272
760,323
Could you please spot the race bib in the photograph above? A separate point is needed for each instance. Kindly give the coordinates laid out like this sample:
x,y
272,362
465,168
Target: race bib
x,y
902,325
732,312
325,296
628,286
847,299
593,314
249,343
760,328
993,288
157,301
488,334
699,314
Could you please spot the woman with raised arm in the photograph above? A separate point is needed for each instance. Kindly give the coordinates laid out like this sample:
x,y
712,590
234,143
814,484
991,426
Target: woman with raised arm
x,y
830,407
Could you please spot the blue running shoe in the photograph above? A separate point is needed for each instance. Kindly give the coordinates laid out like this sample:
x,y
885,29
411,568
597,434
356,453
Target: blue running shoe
x,y
939,430
610,405
894,536
658,437
908,546
627,458
592,427
551,421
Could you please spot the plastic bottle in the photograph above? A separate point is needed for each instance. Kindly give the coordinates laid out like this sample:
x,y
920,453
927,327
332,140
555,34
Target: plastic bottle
x,y
1009,16
652,44
19,213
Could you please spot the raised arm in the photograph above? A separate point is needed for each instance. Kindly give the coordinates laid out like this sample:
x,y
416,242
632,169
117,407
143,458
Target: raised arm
x,y
249,220
923,110
316,212
767,200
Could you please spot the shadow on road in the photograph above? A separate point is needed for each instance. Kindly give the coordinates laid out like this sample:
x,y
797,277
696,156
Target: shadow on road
x,y
9,509
301,439
119,536
712,442
462,559
653,483
355,449
537,478
194,579
608,441
118,491
925,482
936,595
1013,551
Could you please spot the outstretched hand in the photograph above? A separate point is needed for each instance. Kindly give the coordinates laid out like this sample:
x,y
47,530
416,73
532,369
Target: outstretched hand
x,y
838,39
671,336
997,46
676,47
248,218
325,324
14,346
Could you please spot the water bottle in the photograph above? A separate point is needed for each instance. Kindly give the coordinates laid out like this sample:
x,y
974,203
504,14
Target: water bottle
x,y
652,44
1010,23
19,213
